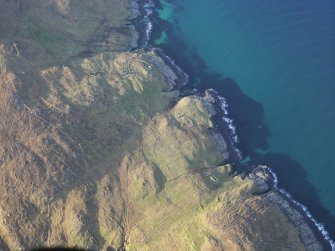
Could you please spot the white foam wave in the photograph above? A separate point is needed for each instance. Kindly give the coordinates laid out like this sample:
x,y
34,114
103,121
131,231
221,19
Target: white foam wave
x,y
148,30
229,122
319,225
172,62
223,104
273,174
187,77
148,7
238,152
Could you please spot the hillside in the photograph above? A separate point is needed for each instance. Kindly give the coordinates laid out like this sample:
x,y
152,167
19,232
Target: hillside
x,y
96,153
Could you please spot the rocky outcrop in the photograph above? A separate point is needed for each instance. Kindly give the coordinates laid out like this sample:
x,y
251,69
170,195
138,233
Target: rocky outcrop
x,y
96,153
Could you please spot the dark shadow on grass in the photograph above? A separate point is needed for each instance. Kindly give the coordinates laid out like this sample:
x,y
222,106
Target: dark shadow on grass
x,y
293,177
248,116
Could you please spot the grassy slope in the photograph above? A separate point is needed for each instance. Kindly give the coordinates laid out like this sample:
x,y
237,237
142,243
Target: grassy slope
x,y
95,155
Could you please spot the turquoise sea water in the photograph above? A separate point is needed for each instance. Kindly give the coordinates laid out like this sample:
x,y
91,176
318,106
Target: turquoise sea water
x,y
275,63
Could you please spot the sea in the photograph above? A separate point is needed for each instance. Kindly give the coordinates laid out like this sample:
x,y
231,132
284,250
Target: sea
x,y
273,62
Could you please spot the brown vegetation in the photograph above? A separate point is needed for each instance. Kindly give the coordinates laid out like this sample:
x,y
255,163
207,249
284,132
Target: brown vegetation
x,y
93,155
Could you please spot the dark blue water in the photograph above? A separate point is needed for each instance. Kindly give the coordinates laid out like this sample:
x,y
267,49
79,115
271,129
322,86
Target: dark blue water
x,y
274,61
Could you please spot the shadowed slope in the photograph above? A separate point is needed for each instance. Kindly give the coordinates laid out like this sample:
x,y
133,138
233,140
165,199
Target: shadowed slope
x,y
94,154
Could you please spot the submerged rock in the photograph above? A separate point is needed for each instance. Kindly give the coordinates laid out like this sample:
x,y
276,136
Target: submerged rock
x,y
96,153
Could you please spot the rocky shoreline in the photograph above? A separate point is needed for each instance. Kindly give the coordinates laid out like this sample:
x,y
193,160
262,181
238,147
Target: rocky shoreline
x,y
140,27
311,233
266,180
139,23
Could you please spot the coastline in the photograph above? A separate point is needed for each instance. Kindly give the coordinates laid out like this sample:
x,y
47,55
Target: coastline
x,y
310,230
139,23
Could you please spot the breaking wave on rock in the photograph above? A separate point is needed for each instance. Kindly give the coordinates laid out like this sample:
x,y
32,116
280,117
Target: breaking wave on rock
x,y
148,6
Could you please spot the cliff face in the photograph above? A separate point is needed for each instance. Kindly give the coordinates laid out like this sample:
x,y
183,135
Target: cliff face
x,y
94,154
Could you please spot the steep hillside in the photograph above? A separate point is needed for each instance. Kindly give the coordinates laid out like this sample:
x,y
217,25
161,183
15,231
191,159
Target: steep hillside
x,y
95,153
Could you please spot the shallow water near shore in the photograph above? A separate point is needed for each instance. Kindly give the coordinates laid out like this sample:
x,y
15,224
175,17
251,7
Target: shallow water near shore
x,y
274,62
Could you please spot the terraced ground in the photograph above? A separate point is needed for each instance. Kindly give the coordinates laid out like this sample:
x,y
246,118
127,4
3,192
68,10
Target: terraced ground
x,y
95,154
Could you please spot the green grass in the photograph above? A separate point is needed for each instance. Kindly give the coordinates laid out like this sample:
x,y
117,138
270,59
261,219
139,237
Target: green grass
x,y
42,34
